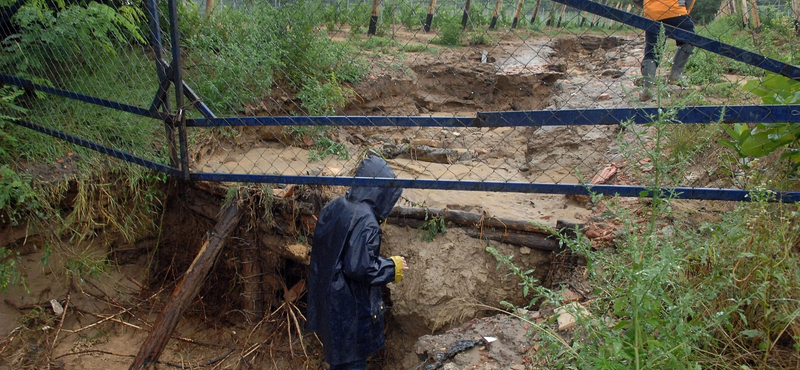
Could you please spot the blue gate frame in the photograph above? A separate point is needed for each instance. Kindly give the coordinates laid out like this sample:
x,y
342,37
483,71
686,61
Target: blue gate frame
x,y
176,123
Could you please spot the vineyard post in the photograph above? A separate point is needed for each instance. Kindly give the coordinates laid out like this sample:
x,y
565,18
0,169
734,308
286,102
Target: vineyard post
x,y
516,13
373,19
465,17
429,18
496,14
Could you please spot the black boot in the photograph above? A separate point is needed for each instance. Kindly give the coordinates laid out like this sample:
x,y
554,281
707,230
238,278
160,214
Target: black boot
x,y
649,68
679,63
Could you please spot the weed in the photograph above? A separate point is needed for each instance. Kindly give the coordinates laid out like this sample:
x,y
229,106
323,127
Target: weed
x,y
528,283
419,48
381,43
479,38
450,33
9,273
323,98
412,16
84,265
434,225
17,197
324,147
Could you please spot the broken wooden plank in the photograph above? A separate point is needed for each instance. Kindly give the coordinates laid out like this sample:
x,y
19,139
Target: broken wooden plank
x,y
186,289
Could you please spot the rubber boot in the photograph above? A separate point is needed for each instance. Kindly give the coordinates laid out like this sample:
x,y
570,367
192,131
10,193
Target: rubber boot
x,y
679,63
649,68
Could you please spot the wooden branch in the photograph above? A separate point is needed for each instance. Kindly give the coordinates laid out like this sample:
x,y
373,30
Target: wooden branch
x,y
186,289
295,252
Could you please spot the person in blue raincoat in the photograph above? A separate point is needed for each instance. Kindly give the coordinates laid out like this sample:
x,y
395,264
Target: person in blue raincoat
x,y
347,272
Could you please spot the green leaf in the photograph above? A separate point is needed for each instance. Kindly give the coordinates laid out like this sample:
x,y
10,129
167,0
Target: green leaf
x,y
751,333
760,144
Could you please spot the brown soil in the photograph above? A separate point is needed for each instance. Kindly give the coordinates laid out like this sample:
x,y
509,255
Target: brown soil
x,y
452,281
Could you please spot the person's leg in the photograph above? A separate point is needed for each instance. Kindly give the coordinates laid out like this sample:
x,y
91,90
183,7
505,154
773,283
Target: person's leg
x,y
649,65
355,365
684,50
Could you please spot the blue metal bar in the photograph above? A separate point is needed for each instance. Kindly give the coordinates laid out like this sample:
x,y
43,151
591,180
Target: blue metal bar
x,y
25,83
197,102
99,148
494,186
335,121
702,42
706,114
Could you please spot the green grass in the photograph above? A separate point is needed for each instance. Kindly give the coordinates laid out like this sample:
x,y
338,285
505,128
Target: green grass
x,y
682,288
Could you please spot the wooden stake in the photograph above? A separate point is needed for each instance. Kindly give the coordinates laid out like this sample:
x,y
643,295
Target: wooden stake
x,y
516,14
373,19
495,14
209,7
756,20
594,21
535,11
429,18
796,12
465,17
252,283
561,15
186,289
551,15
611,22
745,14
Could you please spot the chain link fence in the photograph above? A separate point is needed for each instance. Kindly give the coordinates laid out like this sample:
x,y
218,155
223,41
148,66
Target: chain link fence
x,y
521,96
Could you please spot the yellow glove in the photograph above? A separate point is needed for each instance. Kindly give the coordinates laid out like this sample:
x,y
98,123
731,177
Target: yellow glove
x,y
398,268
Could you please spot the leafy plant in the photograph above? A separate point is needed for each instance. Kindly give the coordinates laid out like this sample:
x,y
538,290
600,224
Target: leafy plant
x,y
434,225
528,283
9,273
450,33
323,98
71,34
17,196
766,138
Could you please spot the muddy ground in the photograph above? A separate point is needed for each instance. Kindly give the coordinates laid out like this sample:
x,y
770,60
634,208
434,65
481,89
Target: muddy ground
x,y
453,284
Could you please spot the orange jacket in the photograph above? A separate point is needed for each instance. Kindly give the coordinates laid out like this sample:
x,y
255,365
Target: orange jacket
x,y
663,9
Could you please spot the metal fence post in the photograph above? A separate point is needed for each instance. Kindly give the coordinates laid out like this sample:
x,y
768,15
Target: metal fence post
x,y
160,99
180,116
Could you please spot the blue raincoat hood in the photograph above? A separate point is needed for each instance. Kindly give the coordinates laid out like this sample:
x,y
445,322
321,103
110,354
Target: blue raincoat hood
x,y
382,200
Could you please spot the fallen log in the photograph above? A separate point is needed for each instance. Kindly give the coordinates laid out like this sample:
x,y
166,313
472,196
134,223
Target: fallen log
x,y
514,232
186,289
520,239
468,219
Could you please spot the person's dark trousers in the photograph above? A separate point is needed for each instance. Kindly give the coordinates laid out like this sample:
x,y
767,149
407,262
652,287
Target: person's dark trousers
x,y
683,22
355,365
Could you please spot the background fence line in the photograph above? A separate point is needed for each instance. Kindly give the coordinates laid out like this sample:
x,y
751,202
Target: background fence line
x,y
179,117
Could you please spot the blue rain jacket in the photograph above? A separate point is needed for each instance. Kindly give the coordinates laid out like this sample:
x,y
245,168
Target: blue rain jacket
x,y
346,273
